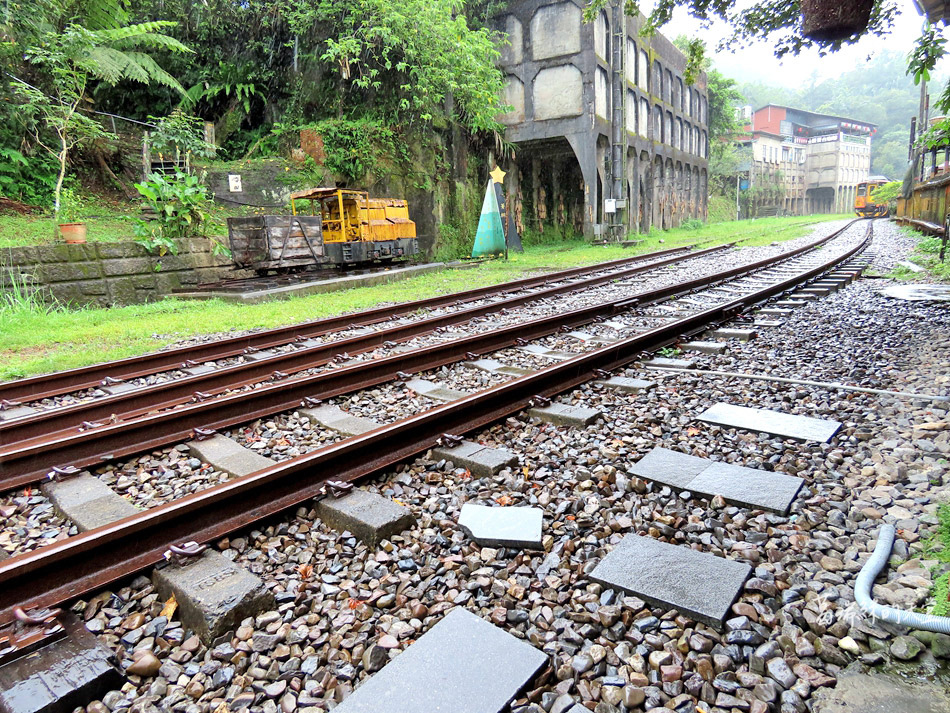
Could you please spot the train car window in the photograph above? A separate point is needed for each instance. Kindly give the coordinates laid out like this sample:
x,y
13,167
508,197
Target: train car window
x,y
861,189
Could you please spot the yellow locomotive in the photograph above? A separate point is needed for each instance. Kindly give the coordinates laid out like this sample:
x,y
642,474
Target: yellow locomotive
x,y
863,205
343,227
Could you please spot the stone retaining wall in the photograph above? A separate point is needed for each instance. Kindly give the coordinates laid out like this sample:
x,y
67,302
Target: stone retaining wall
x,y
107,274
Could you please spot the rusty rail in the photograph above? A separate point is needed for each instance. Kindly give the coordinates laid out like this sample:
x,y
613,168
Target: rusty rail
x,y
83,563
43,386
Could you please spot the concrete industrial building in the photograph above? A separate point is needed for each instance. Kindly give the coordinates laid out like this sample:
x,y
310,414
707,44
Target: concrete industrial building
x,y
608,137
810,162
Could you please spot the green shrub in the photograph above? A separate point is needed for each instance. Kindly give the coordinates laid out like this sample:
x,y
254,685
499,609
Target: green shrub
x,y
180,203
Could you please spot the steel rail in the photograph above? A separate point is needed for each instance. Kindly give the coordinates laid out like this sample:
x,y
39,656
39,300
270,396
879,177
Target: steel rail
x,y
91,560
28,461
42,386
167,394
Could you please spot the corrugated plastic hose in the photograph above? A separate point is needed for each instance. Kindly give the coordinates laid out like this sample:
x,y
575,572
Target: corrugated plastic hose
x,y
902,617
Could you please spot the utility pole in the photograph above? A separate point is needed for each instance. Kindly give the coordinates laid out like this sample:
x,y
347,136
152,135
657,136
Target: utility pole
x,y
618,128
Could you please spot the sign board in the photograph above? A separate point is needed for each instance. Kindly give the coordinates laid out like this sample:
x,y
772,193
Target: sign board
x,y
744,184
234,183
610,205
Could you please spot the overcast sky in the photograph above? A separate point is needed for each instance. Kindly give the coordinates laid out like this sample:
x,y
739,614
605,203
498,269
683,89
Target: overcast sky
x,y
758,63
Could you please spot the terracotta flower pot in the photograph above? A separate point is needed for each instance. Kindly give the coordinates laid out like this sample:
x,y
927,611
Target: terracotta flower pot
x,y
828,20
73,232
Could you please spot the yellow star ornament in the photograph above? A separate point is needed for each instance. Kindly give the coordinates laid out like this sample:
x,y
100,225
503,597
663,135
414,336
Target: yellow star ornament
x,y
498,176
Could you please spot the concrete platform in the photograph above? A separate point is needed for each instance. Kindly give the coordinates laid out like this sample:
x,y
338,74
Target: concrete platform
x,y
626,385
480,460
336,419
515,527
434,391
776,423
882,693
371,518
704,347
61,676
463,664
563,415
746,487
316,287
228,455
743,335
213,593
699,585
87,501
493,366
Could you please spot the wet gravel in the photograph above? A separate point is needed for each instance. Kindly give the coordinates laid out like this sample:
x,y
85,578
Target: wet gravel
x,y
344,610
28,521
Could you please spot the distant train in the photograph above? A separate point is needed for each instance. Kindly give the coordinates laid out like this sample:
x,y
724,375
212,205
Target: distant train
x,y
863,205
344,227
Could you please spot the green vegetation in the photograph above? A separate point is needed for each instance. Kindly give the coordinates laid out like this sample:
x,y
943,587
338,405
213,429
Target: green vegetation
x,y
938,548
38,339
180,203
927,255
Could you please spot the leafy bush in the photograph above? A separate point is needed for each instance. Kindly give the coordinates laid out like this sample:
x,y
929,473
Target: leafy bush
x,y
179,201
692,224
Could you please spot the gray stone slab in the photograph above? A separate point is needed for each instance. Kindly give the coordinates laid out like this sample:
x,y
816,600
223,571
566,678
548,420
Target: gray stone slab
x,y
260,356
61,676
17,412
213,593
563,415
704,347
494,366
463,664
592,338
775,312
626,385
790,303
199,369
817,291
667,363
87,501
336,419
743,335
371,518
699,585
918,292
545,352
748,487
502,526
480,460
805,297
768,323
776,423
616,326
229,456
669,467
434,391
120,388
879,692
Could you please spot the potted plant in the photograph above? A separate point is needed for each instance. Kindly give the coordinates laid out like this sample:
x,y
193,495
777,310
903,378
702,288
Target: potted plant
x,y
71,210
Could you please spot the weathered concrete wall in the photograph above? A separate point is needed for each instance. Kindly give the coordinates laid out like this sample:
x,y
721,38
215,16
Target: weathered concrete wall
x,y
108,274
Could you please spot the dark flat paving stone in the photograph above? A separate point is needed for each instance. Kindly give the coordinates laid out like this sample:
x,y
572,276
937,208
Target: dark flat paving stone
x,y
228,455
704,347
748,487
669,467
563,415
371,518
336,419
480,460
434,391
626,385
699,585
776,423
213,593
463,664
199,369
743,335
502,526
87,501
61,676
120,388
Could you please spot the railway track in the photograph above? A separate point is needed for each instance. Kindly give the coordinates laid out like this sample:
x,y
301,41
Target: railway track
x,y
13,394
85,562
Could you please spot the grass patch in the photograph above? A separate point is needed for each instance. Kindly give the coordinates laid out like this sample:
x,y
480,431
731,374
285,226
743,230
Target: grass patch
x,y
938,548
39,339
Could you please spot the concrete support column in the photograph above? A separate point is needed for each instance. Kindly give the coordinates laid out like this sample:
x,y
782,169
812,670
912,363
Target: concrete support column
x,y
585,149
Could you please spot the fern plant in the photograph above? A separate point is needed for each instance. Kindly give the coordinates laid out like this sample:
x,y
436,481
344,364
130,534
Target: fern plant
x,y
69,62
